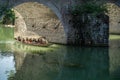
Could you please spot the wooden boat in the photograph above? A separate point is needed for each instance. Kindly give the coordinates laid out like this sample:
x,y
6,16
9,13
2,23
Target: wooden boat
x,y
36,44
40,45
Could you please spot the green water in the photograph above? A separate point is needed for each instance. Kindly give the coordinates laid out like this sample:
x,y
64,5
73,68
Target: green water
x,y
58,62
6,34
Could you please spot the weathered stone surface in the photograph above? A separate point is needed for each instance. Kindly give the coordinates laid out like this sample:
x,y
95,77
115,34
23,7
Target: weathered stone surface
x,y
89,30
61,9
39,20
114,15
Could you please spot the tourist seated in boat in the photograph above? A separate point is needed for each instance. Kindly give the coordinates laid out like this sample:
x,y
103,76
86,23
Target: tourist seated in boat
x,y
19,38
40,40
34,41
26,40
30,40
44,41
23,40
15,38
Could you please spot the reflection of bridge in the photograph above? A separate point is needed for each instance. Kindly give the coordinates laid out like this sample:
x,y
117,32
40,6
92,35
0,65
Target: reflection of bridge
x,y
63,64
66,33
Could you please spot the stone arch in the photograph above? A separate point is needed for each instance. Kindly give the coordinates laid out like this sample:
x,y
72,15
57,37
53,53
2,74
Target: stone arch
x,y
61,9
53,35
50,4
20,25
114,20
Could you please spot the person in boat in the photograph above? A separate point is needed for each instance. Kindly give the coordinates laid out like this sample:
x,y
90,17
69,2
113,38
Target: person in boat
x,y
34,41
19,38
23,40
15,38
44,41
26,40
39,40
30,40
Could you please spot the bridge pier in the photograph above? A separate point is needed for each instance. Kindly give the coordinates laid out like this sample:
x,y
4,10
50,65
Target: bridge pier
x,y
94,31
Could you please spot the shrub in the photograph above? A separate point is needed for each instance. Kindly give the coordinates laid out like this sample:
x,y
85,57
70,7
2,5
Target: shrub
x,y
89,7
7,15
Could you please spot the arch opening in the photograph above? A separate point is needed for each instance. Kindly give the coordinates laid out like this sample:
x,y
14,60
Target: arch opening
x,y
35,19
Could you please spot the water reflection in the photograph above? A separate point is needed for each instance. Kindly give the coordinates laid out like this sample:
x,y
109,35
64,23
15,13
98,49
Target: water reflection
x,y
114,55
88,64
6,33
59,62
6,65
63,63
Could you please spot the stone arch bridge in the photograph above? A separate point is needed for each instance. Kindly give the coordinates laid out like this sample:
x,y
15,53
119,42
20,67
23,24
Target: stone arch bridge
x,y
66,34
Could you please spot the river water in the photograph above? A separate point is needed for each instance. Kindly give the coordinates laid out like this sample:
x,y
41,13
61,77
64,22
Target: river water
x,y
57,62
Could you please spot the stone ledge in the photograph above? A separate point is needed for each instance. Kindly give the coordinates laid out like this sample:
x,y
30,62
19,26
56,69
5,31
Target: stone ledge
x,y
12,26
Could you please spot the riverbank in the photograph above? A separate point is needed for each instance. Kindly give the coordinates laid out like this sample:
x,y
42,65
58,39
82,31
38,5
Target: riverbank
x,y
11,26
114,36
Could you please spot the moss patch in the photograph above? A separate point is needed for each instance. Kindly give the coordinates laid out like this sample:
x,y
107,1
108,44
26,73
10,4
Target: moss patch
x,y
114,37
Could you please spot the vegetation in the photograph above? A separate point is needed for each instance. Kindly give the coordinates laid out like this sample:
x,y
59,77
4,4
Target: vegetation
x,y
114,37
6,33
85,12
89,7
7,15
86,18
11,75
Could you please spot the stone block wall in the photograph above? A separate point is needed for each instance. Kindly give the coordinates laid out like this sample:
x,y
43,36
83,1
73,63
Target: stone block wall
x,y
114,18
89,30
